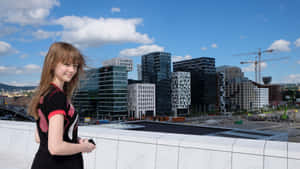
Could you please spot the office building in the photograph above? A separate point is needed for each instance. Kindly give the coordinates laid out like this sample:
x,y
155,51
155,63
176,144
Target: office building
x,y
203,82
243,94
262,97
156,69
230,72
86,97
139,71
113,91
119,61
181,93
141,100
221,104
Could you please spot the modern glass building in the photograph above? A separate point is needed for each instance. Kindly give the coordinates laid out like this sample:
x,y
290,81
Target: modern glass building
x,y
156,69
119,61
113,91
86,97
203,82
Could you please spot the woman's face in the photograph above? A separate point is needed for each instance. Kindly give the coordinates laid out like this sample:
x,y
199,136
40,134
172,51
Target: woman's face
x,y
64,72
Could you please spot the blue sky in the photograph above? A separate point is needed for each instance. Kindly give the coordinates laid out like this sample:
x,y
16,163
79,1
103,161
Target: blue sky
x,y
187,29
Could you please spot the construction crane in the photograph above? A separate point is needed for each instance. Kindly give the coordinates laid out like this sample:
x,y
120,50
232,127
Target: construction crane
x,y
256,63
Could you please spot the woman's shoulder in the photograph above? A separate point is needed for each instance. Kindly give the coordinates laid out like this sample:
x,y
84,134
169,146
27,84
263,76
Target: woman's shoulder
x,y
54,94
54,100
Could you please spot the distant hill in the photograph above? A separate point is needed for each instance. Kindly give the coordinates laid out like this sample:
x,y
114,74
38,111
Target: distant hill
x,y
14,88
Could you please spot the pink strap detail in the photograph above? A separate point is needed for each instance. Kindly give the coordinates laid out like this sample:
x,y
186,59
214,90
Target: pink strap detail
x,y
43,121
41,99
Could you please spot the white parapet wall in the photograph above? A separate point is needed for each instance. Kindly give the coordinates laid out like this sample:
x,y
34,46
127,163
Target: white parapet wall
x,y
124,149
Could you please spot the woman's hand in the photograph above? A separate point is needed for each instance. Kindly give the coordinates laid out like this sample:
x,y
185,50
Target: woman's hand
x,y
87,146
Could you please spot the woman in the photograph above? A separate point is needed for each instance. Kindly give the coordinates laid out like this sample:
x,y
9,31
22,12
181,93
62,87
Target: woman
x,y
57,122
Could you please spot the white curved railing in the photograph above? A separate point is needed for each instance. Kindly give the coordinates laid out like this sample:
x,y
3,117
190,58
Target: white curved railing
x,y
124,149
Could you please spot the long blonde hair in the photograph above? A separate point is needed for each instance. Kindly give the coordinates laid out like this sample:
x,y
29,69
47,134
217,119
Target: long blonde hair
x,y
59,52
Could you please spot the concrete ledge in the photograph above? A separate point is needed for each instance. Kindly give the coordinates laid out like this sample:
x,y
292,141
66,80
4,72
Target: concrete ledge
x,y
126,149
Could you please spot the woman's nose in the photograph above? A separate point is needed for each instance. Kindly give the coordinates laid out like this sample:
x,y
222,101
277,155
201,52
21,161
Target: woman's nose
x,y
72,68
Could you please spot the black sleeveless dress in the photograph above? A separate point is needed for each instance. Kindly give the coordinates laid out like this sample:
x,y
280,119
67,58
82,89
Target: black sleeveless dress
x,y
55,102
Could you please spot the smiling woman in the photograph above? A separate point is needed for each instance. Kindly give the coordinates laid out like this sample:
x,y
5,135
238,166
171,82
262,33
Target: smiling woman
x,y
56,118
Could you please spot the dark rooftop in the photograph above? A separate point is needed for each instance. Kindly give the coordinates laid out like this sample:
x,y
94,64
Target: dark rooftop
x,y
175,128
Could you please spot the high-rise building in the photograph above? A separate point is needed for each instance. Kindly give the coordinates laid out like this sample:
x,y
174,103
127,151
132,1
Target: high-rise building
x,y
141,100
242,93
86,97
203,82
113,91
221,104
181,93
262,97
156,69
230,72
139,71
119,61
202,64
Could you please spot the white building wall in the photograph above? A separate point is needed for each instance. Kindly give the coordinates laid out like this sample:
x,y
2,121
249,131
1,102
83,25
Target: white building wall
x,y
119,61
120,149
181,91
141,98
262,97
222,91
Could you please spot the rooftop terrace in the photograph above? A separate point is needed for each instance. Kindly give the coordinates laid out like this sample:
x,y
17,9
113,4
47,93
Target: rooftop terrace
x,y
131,149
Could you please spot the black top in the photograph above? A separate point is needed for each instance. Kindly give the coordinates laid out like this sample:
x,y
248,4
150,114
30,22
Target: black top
x,y
55,102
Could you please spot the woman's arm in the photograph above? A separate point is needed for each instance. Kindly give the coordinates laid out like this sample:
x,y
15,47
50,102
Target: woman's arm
x,y
56,145
37,137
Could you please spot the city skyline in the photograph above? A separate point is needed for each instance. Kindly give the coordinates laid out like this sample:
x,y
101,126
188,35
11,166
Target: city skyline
x,y
108,29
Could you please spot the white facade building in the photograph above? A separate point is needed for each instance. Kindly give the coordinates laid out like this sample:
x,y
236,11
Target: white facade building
x,y
141,100
221,92
262,97
181,92
119,61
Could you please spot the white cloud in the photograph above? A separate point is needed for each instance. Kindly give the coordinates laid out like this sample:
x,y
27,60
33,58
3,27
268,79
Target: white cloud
x,y
251,67
40,34
214,45
7,30
115,10
6,49
32,67
23,56
141,50
297,42
298,61
26,11
292,78
203,48
43,53
27,69
180,58
90,32
281,45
